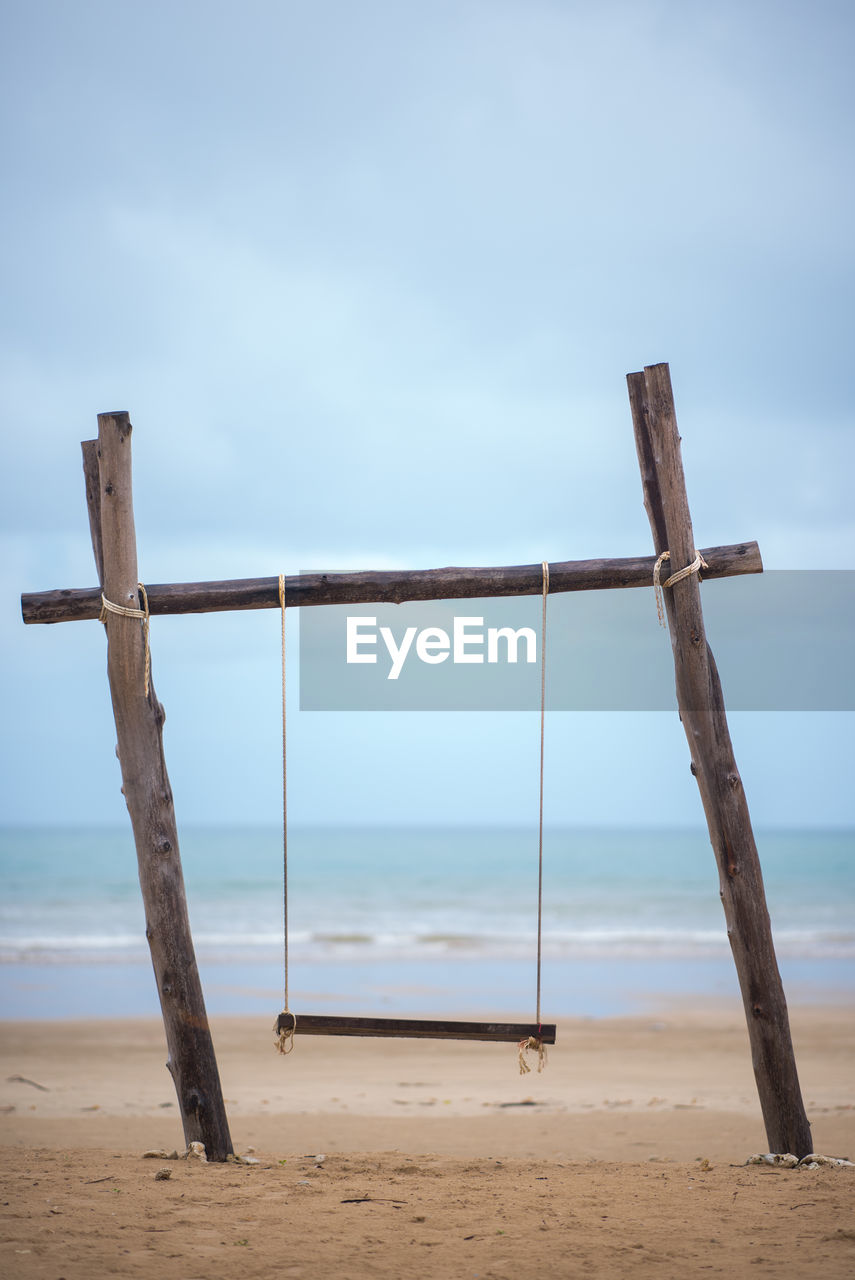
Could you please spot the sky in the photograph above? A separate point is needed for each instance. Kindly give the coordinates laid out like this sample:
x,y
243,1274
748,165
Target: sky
x,y
369,279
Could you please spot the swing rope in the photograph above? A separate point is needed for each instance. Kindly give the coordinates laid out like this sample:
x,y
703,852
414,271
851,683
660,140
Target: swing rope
x,y
535,1042
540,807
285,1036
284,1031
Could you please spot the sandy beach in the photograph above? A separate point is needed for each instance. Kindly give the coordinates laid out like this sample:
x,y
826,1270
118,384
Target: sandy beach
x,y
439,1159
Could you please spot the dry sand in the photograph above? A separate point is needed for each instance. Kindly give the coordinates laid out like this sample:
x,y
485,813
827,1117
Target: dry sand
x,y
440,1160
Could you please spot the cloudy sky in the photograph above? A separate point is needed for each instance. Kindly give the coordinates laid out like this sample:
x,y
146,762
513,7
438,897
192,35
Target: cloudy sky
x,y
368,278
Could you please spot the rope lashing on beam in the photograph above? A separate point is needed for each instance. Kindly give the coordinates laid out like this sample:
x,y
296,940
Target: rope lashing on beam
x,y
123,611
697,564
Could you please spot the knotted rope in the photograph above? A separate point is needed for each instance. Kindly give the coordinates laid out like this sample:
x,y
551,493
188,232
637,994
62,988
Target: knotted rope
x,y
532,1043
123,611
698,563
285,1036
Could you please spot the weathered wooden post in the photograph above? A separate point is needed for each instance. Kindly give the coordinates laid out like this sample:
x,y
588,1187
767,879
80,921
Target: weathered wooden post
x,y
702,712
148,795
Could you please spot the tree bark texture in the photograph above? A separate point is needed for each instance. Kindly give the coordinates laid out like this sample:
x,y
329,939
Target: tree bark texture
x,y
385,586
702,711
148,795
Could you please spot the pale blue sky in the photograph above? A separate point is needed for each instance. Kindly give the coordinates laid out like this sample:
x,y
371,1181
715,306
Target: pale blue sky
x,y
369,278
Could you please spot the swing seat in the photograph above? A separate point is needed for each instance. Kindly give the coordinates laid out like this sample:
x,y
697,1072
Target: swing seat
x,y
314,1024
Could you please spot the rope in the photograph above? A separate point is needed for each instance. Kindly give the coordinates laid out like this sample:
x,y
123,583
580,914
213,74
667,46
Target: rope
x,y
698,563
285,1037
540,811
285,1040
123,611
534,1042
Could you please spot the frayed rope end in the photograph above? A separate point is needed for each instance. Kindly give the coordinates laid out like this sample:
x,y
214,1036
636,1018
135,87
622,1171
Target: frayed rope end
x,y
528,1045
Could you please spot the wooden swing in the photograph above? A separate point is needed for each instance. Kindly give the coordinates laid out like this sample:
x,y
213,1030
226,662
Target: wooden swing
x,y
528,1036
139,719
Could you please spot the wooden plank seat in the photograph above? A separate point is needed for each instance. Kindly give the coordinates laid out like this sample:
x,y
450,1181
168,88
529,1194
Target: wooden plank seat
x,y
313,1024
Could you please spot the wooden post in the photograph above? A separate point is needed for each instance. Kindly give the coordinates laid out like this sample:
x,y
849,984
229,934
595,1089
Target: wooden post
x,y
702,712
148,795
392,586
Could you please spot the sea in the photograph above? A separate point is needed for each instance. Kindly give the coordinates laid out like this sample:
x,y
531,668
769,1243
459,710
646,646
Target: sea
x,y
425,921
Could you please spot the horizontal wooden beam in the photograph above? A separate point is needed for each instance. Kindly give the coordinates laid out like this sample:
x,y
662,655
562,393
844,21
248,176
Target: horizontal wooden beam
x,y
393,586
313,1024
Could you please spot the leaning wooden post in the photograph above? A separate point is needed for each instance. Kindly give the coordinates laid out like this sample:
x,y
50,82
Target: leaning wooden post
x,y
702,712
148,795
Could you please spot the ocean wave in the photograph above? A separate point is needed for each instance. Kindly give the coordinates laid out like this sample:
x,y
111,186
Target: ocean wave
x,y
359,945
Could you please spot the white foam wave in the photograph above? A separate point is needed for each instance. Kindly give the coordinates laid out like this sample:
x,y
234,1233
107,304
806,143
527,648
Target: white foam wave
x,y
357,945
